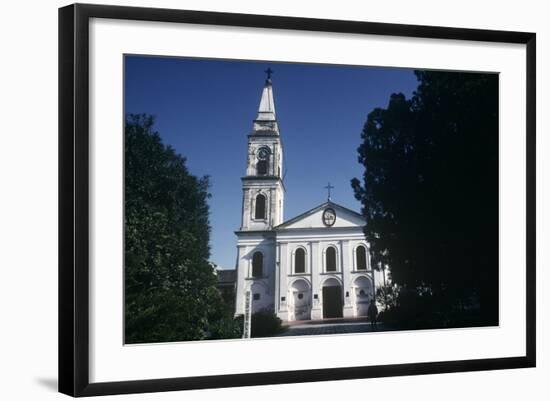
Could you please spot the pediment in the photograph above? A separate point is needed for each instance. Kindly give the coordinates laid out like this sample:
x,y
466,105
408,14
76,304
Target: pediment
x,y
313,218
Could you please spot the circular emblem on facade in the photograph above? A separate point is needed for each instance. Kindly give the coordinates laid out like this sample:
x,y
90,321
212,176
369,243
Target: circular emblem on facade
x,y
329,217
263,153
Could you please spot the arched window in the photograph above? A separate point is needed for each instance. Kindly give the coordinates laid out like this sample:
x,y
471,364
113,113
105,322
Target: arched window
x,y
261,167
330,259
300,261
259,211
361,258
257,264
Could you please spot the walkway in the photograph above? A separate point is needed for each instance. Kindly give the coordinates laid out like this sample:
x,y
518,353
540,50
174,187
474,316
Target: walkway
x,y
329,326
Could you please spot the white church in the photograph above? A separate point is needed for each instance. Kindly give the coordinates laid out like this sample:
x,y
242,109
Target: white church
x,y
313,266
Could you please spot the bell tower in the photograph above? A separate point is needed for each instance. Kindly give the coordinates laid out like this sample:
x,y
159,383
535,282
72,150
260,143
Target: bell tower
x,y
263,189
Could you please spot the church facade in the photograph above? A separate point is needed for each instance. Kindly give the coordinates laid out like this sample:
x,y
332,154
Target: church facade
x,y
313,266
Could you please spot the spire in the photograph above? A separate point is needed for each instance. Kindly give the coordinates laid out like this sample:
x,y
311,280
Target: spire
x,y
266,121
266,111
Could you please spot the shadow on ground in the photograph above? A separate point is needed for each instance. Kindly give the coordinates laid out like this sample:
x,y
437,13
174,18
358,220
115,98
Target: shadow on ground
x,y
48,382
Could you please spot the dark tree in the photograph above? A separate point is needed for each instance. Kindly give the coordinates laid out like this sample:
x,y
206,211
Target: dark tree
x,y
170,292
430,193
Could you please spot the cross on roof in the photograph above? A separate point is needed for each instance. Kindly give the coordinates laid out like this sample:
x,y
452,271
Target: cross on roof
x,y
329,187
269,71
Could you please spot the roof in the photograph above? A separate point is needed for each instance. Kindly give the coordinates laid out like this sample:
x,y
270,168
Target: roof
x,y
338,208
226,276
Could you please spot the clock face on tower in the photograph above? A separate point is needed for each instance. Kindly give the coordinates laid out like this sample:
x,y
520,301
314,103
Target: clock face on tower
x,y
329,217
263,153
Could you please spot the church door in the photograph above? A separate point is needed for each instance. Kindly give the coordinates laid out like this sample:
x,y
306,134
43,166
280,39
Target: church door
x,y
332,302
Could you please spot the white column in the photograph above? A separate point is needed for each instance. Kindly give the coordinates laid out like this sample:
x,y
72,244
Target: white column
x,y
283,282
241,280
277,277
316,269
346,277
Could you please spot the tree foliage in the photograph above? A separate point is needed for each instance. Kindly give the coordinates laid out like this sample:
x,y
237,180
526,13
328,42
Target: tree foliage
x,y
430,191
170,292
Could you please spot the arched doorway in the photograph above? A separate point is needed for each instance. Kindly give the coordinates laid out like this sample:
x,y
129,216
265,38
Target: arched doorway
x,y
362,294
300,300
332,299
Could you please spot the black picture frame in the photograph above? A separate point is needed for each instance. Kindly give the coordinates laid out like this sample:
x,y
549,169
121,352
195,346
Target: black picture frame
x,y
74,198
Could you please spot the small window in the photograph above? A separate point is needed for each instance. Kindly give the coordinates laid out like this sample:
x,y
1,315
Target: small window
x,y
361,292
300,296
261,167
257,264
300,261
361,258
330,259
256,297
259,212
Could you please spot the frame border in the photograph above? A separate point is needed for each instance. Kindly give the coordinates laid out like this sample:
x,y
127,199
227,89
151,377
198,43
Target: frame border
x,y
73,270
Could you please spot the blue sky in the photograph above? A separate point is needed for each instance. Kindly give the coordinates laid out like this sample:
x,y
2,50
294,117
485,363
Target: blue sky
x,y
204,109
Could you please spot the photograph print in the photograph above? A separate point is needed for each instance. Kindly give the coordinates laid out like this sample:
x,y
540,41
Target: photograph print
x,y
270,199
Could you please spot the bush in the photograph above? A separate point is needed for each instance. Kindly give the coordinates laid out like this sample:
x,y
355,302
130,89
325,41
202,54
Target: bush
x,y
265,324
226,328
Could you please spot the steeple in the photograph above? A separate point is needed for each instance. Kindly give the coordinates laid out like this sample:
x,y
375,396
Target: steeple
x,y
266,111
266,121
263,188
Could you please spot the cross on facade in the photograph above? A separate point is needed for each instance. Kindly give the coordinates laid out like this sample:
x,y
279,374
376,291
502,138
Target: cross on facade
x,y
329,187
269,71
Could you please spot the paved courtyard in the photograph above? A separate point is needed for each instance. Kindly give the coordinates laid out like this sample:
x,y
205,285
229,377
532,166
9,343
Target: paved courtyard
x,y
330,326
